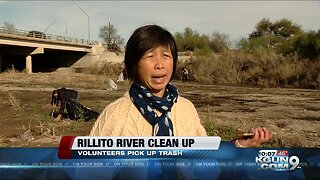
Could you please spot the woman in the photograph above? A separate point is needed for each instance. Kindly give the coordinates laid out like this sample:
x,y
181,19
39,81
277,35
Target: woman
x,y
153,107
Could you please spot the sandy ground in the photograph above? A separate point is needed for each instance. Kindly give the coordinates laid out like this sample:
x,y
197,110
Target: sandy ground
x,y
294,114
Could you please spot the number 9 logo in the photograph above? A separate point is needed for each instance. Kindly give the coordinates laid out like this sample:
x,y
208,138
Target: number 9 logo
x,y
294,162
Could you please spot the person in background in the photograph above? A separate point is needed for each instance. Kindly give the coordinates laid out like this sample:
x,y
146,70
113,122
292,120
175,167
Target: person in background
x,y
153,106
185,74
62,95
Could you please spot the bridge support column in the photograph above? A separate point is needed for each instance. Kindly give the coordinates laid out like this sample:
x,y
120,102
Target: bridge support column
x,y
29,64
0,63
39,50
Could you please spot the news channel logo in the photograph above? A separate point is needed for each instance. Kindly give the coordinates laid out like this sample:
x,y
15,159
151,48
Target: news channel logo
x,y
277,160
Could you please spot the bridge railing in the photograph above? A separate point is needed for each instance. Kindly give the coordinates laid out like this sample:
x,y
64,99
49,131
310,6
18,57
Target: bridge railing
x,y
41,35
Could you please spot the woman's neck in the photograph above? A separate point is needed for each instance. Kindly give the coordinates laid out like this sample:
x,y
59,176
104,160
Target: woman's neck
x,y
159,93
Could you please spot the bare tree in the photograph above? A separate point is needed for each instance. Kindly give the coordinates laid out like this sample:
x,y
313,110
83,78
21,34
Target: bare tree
x,y
111,37
9,27
220,42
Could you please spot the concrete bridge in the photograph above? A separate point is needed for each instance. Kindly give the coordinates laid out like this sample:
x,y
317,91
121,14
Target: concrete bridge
x,y
39,52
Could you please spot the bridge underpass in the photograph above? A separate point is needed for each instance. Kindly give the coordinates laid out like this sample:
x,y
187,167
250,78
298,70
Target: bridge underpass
x,y
46,54
48,61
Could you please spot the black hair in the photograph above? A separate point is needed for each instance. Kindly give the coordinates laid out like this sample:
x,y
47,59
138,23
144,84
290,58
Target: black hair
x,y
54,100
144,39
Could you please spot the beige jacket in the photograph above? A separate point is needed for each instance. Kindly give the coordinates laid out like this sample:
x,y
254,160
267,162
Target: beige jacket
x,y
122,118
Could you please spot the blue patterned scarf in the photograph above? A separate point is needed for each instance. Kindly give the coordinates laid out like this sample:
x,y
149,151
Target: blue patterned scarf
x,y
148,104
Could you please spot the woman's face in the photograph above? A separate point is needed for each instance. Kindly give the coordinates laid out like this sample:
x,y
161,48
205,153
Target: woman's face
x,y
155,69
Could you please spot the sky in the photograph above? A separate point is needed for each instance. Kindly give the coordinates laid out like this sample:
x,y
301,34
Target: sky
x,y
237,19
